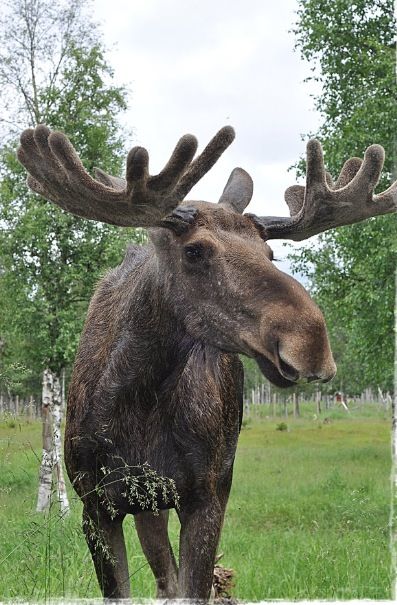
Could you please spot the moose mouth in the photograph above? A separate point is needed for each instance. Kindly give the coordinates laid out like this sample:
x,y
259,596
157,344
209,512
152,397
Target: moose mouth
x,y
284,377
283,374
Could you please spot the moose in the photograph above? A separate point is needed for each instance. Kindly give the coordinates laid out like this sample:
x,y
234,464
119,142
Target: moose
x,y
155,401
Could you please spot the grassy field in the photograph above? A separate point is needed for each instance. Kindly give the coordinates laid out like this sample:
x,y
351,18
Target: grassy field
x,y
308,515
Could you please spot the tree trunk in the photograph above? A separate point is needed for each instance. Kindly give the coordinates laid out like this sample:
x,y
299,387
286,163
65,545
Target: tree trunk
x,y
57,455
45,477
31,414
51,462
318,402
274,405
296,405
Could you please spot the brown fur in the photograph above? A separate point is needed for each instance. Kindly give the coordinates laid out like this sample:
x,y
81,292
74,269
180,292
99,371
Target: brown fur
x,y
157,380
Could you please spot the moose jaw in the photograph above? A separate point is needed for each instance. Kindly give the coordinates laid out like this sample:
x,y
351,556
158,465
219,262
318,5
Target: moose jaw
x,y
157,383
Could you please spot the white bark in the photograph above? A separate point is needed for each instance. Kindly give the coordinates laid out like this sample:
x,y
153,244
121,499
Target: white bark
x,y
51,463
45,477
57,442
30,408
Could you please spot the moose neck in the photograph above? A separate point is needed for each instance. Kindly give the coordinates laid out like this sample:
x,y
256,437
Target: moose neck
x,y
150,348
156,343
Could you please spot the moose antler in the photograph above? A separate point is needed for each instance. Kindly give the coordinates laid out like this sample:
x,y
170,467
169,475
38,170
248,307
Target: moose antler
x,y
56,173
322,204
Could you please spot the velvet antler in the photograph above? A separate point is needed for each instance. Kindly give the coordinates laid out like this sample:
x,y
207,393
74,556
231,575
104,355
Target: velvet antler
x,y
56,173
322,204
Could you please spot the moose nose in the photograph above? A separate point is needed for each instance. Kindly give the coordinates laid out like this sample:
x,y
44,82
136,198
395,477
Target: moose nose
x,y
293,370
319,378
323,377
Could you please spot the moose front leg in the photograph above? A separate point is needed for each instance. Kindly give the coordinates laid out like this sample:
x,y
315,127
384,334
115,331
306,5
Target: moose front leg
x,y
153,536
105,540
200,531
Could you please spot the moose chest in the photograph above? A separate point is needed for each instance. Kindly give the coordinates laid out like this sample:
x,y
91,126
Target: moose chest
x,y
188,436
186,430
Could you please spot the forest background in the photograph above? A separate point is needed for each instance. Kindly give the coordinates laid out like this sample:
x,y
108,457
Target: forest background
x,y
54,70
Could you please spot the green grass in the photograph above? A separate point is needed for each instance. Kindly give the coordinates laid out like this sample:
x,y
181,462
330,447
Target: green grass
x,y
308,515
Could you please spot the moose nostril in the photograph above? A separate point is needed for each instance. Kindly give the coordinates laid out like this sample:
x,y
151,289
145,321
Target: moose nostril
x,y
287,370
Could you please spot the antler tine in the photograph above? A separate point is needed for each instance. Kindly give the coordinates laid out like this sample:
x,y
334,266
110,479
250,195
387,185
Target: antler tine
x,y
295,195
56,173
388,198
206,160
348,172
321,205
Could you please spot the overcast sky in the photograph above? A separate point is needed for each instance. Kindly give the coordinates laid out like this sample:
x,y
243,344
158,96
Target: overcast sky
x,y
194,66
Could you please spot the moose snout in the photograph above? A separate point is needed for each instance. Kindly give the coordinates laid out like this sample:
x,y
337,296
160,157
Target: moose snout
x,y
306,359
293,345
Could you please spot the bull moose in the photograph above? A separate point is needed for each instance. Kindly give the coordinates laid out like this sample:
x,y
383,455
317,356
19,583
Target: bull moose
x,y
155,401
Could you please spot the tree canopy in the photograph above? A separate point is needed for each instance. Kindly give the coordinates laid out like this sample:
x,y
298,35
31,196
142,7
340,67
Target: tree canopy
x,y
50,261
351,48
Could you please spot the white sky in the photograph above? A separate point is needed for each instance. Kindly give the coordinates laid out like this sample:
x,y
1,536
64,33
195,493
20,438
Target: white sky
x,y
194,66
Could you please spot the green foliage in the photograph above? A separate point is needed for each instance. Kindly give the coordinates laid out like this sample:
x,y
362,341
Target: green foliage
x,y
12,376
350,46
139,484
36,37
351,269
50,261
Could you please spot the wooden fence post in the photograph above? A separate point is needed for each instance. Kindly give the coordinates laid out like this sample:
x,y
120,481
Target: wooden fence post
x,y
274,404
318,402
295,402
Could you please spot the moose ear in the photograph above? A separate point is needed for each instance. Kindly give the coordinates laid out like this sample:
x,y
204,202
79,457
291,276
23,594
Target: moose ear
x,y
238,191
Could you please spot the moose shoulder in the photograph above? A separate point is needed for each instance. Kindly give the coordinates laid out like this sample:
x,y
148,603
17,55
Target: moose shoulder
x,y
155,400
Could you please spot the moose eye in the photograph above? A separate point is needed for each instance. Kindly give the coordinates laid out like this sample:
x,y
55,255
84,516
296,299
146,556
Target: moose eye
x,y
194,252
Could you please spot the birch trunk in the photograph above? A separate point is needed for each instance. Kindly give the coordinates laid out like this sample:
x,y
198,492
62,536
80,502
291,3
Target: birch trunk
x,y
51,463
45,477
318,402
30,408
57,409
295,401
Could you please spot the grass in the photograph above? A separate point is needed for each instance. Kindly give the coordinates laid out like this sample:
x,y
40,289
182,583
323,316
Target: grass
x,y
308,516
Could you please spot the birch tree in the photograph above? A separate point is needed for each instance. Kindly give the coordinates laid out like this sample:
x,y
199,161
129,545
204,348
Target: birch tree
x,y
51,463
52,69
